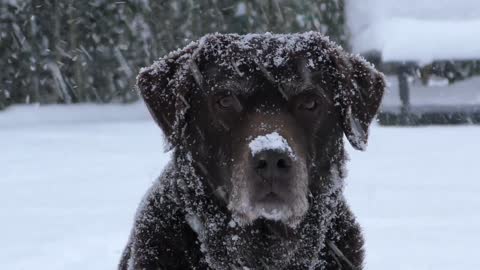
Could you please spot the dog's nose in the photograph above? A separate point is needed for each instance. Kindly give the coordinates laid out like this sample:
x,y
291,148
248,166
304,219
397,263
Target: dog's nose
x,y
271,165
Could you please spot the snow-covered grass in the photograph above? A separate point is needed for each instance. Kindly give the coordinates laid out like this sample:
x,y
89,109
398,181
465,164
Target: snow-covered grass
x,y
71,178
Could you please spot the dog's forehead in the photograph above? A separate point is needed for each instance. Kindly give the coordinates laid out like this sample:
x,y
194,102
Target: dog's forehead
x,y
254,81
276,57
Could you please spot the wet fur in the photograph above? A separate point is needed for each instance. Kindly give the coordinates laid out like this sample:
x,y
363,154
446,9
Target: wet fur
x,y
164,239
184,221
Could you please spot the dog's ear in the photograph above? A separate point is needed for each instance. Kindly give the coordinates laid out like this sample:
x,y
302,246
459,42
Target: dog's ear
x,y
153,85
358,98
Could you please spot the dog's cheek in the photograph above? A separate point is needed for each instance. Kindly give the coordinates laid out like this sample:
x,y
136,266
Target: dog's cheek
x,y
223,161
239,199
302,188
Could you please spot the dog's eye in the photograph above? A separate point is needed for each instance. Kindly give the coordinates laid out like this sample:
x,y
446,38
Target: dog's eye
x,y
309,105
226,102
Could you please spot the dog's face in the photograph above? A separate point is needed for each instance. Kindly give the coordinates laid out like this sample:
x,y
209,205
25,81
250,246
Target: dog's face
x,y
258,146
261,143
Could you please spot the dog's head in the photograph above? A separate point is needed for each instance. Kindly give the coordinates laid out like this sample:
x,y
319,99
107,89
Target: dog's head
x,y
263,116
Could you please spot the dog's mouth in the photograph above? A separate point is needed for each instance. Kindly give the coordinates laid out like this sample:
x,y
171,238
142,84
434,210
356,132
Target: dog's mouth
x,y
278,199
273,228
272,198
272,206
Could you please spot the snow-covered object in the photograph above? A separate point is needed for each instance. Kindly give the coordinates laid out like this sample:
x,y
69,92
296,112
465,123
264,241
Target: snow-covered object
x,y
416,30
352,82
272,141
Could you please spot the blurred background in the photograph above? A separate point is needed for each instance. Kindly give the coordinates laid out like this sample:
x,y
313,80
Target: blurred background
x,y
55,51
78,150
90,51
66,52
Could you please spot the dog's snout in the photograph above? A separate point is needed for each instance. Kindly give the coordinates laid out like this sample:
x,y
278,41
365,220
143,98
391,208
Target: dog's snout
x,y
271,164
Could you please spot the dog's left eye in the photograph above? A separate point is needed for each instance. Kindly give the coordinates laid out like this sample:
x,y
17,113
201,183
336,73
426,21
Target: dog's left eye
x,y
226,102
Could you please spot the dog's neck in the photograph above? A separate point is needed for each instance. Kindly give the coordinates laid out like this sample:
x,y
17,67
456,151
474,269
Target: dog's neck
x,y
263,243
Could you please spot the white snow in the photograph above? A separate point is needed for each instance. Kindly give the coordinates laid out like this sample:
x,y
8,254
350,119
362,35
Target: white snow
x,y
416,30
271,141
69,188
195,223
272,214
71,180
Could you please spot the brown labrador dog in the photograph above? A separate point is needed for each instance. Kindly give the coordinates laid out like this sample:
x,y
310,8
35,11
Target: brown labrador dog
x,y
256,179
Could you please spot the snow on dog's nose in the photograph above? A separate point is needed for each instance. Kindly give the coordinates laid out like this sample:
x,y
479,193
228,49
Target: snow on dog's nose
x,y
272,159
272,141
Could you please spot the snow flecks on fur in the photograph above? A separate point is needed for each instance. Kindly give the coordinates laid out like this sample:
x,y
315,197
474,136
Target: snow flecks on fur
x,y
195,223
225,243
272,141
274,214
271,50
242,56
222,239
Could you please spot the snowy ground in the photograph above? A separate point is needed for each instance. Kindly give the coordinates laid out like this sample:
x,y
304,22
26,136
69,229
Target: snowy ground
x,y
71,179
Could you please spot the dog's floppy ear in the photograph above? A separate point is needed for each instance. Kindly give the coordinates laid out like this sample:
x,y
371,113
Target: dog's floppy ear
x,y
358,98
154,86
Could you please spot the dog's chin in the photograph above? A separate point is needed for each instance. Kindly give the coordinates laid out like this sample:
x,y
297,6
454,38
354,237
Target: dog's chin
x,y
271,209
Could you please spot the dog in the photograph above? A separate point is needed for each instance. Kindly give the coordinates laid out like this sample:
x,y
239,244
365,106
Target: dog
x,y
256,124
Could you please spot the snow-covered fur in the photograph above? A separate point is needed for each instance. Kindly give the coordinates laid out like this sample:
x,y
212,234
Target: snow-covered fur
x,y
184,220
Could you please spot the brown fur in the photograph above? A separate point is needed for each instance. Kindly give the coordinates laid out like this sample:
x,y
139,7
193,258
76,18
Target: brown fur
x,y
209,110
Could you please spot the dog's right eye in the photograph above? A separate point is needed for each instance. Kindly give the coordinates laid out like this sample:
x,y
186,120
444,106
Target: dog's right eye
x,y
308,105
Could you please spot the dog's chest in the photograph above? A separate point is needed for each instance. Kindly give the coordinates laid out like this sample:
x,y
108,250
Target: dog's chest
x,y
223,246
